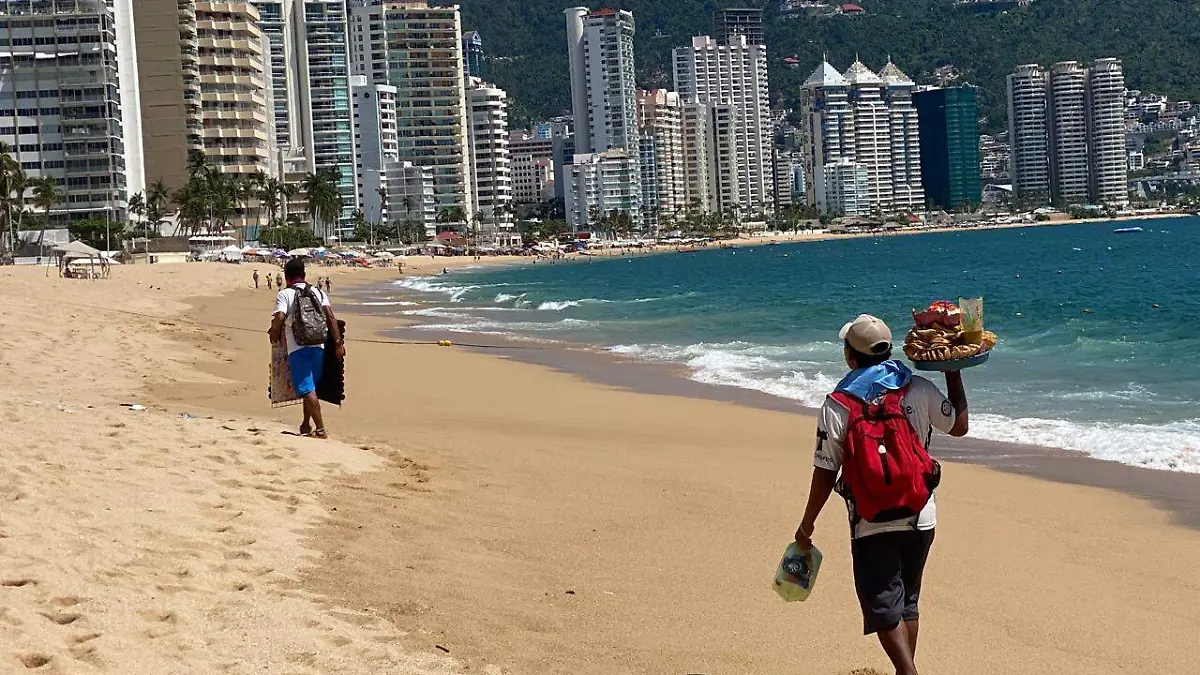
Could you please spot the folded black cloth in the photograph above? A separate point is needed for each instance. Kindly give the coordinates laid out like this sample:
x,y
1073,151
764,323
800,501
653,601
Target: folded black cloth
x,y
332,387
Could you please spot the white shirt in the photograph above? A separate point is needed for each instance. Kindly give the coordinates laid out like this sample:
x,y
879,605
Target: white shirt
x,y
927,409
285,303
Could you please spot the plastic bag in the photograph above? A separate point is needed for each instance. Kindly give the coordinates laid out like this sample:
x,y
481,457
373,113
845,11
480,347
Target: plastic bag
x,y
797,573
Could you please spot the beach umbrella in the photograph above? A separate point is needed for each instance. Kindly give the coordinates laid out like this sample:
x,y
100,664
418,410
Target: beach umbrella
x,y
300,253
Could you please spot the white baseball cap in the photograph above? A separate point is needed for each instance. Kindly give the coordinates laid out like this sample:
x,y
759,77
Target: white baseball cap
x,y
867,335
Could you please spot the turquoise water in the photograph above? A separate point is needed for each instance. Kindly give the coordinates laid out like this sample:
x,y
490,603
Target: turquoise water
x,y
1085,360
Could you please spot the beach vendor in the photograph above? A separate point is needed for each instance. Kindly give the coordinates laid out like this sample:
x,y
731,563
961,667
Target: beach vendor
x,y
304,319
873,433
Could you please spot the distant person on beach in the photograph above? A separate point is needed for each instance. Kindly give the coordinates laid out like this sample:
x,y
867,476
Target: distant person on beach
x,y
270,285
328,285
279,278
255,275
881,402
305,361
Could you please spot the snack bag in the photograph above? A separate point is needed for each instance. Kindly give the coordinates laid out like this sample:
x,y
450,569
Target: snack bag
x,y
797,573
972,319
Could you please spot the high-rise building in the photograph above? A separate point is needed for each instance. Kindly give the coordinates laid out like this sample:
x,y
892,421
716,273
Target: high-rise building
x,y
604,104
861,120
908,189
950,166
533,170
695,121
660,116
1067,124
732,77
236,117
417,48
375,134
847,188
492,179
166,45
309,64
473,54
741,21
1030,163
603,93
1068,134
1106,132
600,185
69,107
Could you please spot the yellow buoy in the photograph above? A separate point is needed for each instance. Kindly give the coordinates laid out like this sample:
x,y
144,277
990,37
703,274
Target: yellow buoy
x,y
444,343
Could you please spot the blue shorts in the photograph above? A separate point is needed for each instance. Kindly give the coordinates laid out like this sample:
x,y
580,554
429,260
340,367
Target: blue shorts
x,y
306,364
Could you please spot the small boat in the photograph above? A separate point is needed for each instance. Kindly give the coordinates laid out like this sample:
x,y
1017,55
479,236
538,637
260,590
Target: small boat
x,y
1127,230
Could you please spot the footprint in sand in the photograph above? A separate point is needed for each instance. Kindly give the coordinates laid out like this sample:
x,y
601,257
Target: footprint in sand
x,y
17,583
62,619
33,660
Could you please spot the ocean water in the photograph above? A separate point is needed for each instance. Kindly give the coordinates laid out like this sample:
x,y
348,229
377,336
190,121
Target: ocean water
x,y
1086,361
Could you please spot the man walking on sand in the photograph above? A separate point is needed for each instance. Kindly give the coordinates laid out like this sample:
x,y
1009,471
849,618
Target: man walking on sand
x,y
256,280
872,436
306,361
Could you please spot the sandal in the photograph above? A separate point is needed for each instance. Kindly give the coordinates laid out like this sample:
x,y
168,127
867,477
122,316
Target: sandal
x,y
318,433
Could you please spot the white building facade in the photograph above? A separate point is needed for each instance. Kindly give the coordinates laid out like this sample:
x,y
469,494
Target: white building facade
x,y
604,104
417,48
1106,132
861,121
1027,133
660,120
732,77
490,161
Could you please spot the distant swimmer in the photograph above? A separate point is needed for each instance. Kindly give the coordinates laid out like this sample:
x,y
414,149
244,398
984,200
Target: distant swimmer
x,y
891,529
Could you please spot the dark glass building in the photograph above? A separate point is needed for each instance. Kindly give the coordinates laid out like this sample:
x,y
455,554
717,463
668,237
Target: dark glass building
x,y
948,120
472,54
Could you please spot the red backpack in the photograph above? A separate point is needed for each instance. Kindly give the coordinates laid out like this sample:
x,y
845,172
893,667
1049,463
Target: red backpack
x,y
886,471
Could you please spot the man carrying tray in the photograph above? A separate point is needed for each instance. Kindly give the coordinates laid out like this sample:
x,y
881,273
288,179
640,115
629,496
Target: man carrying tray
x,y
872,435
306,357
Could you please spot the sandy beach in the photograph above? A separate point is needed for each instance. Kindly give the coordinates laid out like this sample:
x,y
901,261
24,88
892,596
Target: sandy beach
x,y
476,513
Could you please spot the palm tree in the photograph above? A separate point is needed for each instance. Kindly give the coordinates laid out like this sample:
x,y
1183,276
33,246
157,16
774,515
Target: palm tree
x,y
157,198
13,182
45,196
383,197
137,208
324,200
270,196
287,192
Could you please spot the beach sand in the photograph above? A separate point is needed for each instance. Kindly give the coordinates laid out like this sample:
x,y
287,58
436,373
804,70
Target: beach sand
x,y
477,513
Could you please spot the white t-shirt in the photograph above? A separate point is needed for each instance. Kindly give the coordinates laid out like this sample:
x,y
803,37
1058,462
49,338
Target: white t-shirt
x,y
284,302
927,409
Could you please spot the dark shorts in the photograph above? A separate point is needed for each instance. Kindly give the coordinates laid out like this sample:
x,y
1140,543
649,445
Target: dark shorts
x,y
887,576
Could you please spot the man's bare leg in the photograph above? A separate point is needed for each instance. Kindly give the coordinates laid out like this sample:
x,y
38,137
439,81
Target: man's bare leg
x,y
913,628
312,410
895,643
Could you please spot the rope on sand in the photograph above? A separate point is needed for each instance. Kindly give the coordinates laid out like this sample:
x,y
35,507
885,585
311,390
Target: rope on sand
x,y
177,319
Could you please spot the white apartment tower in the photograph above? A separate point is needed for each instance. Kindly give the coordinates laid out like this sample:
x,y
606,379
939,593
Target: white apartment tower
x,y
1067,125
1027,106
660,120
1067,130
417,48
861,121
732,77
237,120
488,106
375,135
604,105
1106,132
69,106
603,93
695,120
908,191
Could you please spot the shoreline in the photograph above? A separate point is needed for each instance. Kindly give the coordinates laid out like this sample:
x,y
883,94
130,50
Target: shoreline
x,y
1178,492
517,530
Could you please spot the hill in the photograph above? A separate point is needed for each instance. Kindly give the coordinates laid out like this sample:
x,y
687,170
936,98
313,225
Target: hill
x,y
526,43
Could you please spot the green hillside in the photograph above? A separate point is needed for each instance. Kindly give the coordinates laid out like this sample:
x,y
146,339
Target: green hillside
x,y
1159,41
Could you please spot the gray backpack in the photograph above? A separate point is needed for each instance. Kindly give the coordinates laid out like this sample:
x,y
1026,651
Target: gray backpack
x,y
308,318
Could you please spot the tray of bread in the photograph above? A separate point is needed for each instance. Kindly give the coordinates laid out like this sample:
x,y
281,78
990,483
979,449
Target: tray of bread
x,y
947,337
